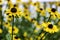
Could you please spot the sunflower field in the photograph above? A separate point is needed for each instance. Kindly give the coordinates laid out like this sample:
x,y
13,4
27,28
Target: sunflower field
x,y
29,20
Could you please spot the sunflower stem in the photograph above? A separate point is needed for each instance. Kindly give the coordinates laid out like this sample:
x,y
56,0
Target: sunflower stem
x,y
12,26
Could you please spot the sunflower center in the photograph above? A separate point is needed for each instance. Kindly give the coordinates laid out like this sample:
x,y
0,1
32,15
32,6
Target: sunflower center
x,y
53,10
13,29
6,23
50,26
34,3
14,5
16,37
8,0
26,15
13,10
59,4
41,9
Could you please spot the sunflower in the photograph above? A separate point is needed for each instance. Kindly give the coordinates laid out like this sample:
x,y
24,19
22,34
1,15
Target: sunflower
x,y
26,16
25,4
36,4
16,37
53,17
53,12
6,24
41,36
18,1
57,4
58,23
51,2
9,3
30,2
9,18
41,11
15,11
0,22
32,20
37,25
35,31
1,31
48,27
14,30
1,2
31,38
25,34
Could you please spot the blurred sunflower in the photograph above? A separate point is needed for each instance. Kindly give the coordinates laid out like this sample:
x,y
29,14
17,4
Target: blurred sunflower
x,y
53,12
31,38
50,10
1,2
37,25
7,24
9,3
25,4
41,11
41,36
13,10
18,1
32,20
16,37
51,2
36,4
26,16
9,18
48,27
57,4
58,23
15,30
1,30
53,17
25,34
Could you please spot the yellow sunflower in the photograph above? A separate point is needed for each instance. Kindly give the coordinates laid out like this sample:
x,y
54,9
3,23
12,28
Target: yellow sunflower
x,y
58,23
58,16
32,20
36,4
57,4
30,2
26,16
41,10
53,17
15,11
18,1
1,30
9,18
6,24
31,38
14,30
41,36
48,27
53,12
9,3
16,37
25,34
37,25
51,2
25,4
1,2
